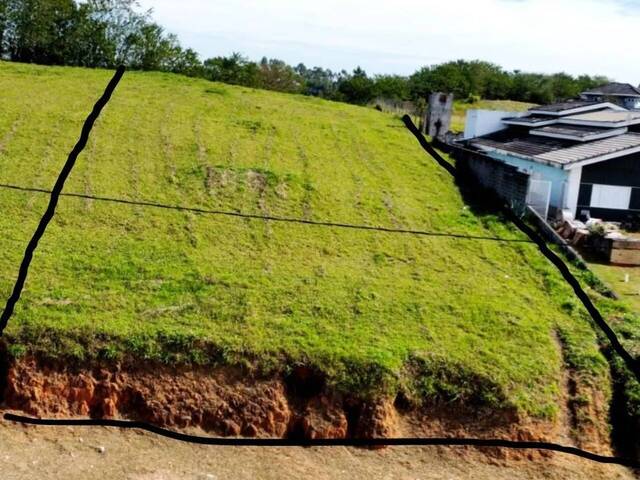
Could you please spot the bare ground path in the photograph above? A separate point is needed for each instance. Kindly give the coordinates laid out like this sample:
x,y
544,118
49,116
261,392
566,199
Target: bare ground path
x,y
65,452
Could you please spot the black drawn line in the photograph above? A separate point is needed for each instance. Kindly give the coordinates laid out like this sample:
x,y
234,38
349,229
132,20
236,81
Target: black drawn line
x,y
55,195
632,363
271,218
328,442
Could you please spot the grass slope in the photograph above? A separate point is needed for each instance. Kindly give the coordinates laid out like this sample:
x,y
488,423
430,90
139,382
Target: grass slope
x,y
448,318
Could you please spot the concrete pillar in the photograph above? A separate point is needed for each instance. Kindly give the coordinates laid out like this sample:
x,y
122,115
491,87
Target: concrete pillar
x,y
438,121
572,190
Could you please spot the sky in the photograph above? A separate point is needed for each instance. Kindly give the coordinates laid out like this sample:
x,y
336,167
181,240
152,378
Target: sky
x,y
400,36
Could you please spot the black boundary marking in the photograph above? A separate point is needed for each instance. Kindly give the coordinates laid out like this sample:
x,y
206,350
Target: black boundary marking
x,y
283,442
55,195
326,442
632,363
271,218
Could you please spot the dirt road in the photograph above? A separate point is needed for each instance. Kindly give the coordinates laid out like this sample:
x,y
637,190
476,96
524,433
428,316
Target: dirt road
x,y
70,453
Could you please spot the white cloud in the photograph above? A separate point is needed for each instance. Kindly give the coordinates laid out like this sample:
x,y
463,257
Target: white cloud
x,y
576,36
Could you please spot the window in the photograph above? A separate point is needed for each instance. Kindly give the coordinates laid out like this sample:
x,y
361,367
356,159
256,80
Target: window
x,y
610,196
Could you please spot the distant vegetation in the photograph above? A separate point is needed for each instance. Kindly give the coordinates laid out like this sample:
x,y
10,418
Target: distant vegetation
x,y
105,33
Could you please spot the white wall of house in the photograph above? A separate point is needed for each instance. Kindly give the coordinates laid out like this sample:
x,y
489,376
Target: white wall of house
x,y
632,103
484,122
572,189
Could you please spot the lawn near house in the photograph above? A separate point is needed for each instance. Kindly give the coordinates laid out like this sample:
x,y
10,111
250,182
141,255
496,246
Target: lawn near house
x,y
480,318
627,289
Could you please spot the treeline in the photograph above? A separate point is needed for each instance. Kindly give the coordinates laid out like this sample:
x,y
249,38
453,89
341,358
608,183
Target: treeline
x,y
106,33
95,33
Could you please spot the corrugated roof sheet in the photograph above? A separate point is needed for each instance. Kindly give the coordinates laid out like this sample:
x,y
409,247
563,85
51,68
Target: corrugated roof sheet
x,y
562,106
608,116
614,88
526,145
530,119
589,150
574,130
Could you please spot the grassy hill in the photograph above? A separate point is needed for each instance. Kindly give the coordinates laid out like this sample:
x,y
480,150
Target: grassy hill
x,y
442,317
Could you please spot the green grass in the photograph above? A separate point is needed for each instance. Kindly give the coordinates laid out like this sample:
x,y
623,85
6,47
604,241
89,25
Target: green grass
x,y
444,318
614,276
460,108
624,317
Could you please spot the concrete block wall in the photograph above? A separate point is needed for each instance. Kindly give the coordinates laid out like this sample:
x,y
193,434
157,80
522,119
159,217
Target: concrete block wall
x,y
506,181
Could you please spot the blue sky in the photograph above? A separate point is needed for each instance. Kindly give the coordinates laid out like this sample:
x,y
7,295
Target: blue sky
x,y
398,36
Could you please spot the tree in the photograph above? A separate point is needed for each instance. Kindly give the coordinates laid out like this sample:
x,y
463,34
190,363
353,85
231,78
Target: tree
x,y
318,81
564,86
235,69
123,25
90,45
421,83
151,49
277,75
39,31
356,88
188,63
393,87
4,24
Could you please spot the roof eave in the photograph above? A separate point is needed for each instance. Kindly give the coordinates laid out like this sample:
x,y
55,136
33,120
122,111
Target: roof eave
x,y
602,94
578,110
533,125
613,132
520,156
601,158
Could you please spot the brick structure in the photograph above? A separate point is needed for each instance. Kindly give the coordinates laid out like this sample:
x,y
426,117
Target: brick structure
x,y
506,181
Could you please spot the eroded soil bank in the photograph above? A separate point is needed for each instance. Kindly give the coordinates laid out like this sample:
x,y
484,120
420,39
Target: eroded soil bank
x,y
231,402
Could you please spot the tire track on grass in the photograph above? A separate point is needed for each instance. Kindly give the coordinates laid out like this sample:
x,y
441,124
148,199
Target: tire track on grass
x,y
250,216
55,195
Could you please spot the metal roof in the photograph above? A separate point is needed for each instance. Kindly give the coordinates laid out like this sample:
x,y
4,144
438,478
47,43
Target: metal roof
x,y
614,88
562,106
604,116
558,152
529,120
577,132
574,130
598,148
525,145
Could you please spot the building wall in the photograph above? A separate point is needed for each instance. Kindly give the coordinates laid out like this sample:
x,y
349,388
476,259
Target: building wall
x,y
506,181
621,172
484,122
538,171
632,103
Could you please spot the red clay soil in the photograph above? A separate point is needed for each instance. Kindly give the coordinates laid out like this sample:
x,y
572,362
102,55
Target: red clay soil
x,y
229,402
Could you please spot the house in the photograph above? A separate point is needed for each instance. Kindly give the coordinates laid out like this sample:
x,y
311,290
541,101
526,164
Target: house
x,y
582,155
623,94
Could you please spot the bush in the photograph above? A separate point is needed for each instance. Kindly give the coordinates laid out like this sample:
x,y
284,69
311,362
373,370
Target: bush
x,y
471,99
